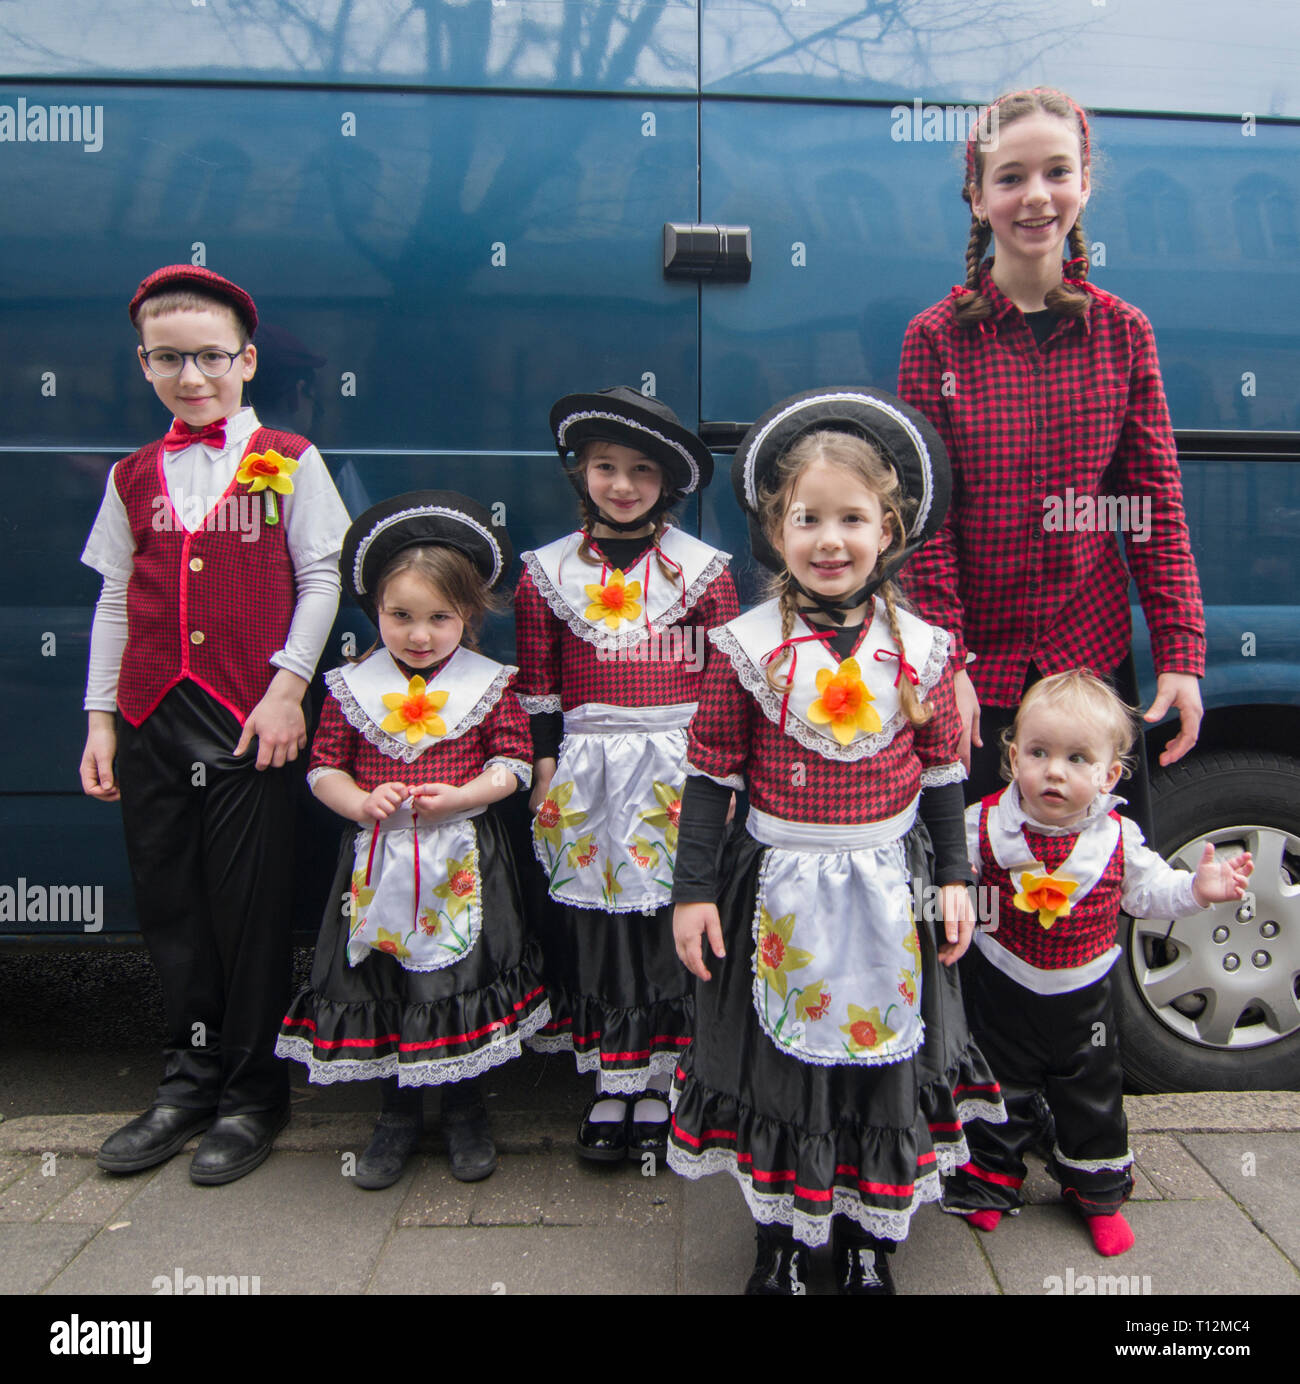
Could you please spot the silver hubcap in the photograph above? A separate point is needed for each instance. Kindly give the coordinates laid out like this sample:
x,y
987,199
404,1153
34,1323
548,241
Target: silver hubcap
x,y
1226,978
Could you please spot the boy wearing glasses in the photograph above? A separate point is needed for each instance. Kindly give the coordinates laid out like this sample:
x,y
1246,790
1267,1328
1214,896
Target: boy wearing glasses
x,y
218,545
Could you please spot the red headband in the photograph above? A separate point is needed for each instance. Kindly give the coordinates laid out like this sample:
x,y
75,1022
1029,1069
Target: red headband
x,y
972,138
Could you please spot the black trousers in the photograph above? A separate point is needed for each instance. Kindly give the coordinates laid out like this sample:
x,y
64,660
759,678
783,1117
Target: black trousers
x,y
1062,1048
210,844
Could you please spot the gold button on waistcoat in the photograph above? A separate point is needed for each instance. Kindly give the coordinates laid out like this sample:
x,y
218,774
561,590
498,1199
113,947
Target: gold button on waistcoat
x,y
196,636
196,564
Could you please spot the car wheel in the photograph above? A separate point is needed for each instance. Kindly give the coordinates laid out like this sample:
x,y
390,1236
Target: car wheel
x,y
1210,1004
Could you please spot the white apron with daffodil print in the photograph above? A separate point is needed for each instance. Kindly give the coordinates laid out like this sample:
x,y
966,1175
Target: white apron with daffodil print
x,y
416,889
837,961
607,833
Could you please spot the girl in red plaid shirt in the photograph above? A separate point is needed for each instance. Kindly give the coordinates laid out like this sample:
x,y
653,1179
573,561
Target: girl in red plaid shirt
x,y
424,974
1047,393
611,625
830,1071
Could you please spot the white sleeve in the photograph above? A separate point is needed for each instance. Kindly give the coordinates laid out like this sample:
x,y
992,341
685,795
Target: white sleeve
x,y
1152,888
110,548
107,644
973,838
315,522
317,584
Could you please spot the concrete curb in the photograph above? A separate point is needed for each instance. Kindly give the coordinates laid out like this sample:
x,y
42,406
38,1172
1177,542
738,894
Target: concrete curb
x,y
525,1131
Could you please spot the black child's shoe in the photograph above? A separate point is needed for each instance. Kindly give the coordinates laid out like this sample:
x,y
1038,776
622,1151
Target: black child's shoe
x,y
469,1140
604,1141
393,1142
778,1265
861,1270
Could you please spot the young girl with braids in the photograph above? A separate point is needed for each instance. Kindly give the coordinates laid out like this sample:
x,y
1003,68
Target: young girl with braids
x,y
830,1070
1046,391
611,623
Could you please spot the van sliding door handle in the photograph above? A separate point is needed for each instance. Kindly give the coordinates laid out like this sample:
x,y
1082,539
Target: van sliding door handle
x,y
707,252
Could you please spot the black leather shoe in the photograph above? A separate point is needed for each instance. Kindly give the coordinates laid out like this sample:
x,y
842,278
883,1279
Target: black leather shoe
x,y
604,1141
778,1266
860,1270
392,1143
647,1136
152,1138
235,1145
470,1148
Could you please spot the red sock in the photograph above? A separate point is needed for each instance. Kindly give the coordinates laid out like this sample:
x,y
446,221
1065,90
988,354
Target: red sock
x,y
1110,1234
983,1220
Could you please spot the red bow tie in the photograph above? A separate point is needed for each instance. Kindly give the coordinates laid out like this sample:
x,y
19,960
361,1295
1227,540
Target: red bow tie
x,y
181,435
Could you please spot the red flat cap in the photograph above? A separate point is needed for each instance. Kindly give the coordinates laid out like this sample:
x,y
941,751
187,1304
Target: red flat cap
x,y
173,276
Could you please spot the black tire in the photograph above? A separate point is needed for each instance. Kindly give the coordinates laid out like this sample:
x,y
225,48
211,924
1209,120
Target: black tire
x,y
1175,1042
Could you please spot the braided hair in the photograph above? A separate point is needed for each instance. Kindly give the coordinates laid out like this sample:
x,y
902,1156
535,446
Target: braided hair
x,y
1067,298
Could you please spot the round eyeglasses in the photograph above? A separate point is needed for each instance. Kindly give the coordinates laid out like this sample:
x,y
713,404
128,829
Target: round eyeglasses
x,y
212,361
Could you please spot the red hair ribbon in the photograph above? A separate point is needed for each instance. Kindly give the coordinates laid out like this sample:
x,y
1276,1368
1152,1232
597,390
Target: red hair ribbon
x,y
794,663
370,860
665,558
903,666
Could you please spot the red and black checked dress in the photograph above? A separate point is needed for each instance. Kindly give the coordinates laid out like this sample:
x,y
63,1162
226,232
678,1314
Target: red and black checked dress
x,y
805,1137
620,999
1079,418
376,1018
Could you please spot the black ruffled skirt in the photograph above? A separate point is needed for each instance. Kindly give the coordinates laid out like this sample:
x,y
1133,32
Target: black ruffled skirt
x,y
358,1023
621,1001
807,1143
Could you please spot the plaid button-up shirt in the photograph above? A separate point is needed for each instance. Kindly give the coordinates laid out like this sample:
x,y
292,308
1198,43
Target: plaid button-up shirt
x,y
1054,449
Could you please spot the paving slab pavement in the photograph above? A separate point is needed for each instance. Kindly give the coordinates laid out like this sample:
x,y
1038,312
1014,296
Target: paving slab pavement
x,y
1214,1211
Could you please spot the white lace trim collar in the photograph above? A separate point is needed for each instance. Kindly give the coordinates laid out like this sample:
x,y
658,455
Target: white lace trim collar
x,y
563,577
747,640
474,685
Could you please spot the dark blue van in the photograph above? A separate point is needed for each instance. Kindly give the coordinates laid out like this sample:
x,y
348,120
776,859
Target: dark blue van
x,y
452,213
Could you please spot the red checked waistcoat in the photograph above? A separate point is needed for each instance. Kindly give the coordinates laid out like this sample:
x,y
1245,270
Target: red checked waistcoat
x,y
211,606
1089,928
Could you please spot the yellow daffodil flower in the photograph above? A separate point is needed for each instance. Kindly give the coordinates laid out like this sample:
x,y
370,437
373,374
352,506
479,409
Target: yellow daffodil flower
x,y
552,820
462,881
414,712
866,1030
812,1002
845,702
614,602
583,851
267,471
775,956
644,853
668,814
391,943
1047,895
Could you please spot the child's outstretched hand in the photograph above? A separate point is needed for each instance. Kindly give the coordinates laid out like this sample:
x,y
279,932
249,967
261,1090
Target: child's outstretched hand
x,y
958,922
1217,881
434,801
384,801
691,921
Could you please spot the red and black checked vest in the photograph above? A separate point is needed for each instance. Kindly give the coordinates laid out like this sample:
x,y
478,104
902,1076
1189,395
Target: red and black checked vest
x,y
208,606
1091,925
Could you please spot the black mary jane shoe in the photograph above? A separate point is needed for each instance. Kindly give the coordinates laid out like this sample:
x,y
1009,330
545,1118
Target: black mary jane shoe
x,y
604,1141
393,1142
470,1150
778,1265
152,1138
235,1145
647,1136
860,1270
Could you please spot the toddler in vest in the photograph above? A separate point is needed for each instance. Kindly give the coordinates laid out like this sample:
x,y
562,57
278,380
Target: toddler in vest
x,y
218,545
1037,983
